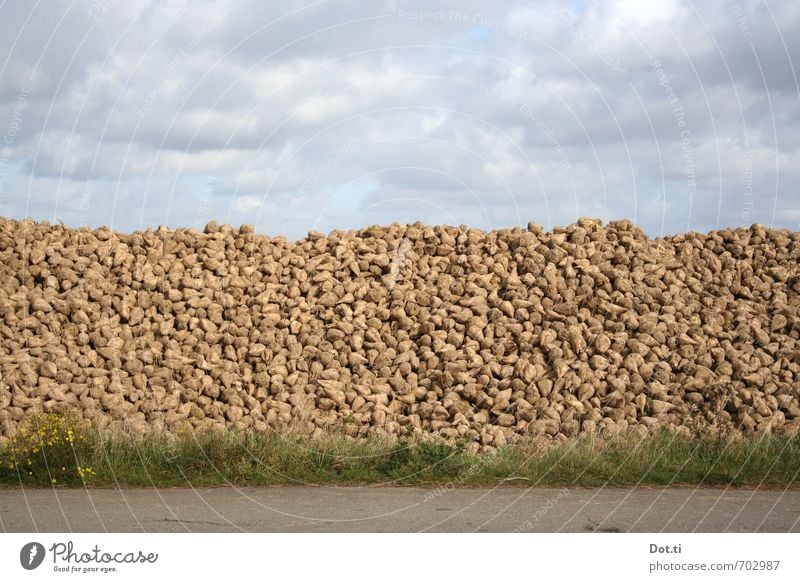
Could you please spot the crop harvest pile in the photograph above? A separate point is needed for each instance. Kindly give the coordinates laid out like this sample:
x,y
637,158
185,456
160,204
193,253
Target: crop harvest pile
x,y
445,332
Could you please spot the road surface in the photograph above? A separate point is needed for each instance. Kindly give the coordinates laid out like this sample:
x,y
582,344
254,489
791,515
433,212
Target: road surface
x,y
398,509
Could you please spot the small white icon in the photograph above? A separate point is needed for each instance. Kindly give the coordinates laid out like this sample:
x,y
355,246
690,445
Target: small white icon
x,y
33,552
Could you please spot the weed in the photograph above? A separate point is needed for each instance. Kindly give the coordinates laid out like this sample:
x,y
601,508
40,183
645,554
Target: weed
x,y
48,448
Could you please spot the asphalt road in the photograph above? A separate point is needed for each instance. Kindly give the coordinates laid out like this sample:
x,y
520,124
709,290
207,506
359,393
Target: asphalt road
x,y
398,509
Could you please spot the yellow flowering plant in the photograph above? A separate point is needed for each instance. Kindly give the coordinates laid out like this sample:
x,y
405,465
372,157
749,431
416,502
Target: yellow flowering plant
x,y
47,448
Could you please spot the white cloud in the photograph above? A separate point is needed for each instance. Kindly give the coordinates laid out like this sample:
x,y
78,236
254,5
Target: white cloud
x,y
344,113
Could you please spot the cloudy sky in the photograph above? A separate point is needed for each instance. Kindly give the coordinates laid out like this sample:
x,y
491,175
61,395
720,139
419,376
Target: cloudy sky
x,y
680,115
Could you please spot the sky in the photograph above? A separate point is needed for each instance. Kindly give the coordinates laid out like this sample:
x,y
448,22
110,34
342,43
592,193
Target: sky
x,y
291,116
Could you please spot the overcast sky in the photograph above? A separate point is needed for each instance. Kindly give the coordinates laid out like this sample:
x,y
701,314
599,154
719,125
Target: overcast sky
x,y
341,114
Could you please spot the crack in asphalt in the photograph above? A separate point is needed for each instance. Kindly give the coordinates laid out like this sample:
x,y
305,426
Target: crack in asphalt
x,y
170,519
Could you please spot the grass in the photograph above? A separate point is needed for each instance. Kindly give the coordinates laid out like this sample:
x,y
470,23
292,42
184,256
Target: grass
x,y
54,450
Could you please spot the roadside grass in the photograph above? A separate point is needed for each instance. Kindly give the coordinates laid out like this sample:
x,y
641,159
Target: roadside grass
x,y
56,450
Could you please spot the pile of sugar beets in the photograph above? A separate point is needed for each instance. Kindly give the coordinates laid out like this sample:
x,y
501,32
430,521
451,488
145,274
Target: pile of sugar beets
x,y
436,331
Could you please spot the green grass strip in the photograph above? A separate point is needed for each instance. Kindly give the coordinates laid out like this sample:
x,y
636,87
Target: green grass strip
x,y
58,452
